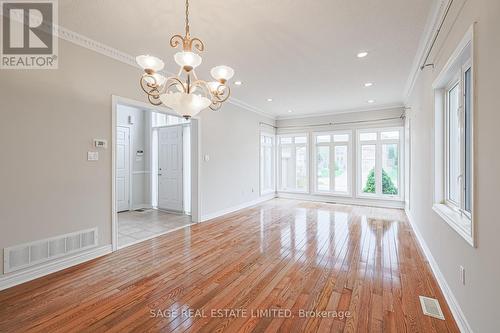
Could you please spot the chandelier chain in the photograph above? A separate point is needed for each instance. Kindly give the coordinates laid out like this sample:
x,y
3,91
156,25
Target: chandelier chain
x,y
187,17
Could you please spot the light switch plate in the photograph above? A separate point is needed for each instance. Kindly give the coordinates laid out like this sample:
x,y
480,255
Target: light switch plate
x,y
92,156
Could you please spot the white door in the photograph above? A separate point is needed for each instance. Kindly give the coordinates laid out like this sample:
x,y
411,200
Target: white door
x,y
170,168
122,168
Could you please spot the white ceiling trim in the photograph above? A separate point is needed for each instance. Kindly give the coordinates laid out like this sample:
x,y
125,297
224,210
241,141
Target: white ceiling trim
x,y
93,45
435,17
374,108
108,51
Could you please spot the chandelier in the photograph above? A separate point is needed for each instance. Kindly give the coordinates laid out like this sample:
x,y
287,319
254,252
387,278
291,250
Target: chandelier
x,y
184,93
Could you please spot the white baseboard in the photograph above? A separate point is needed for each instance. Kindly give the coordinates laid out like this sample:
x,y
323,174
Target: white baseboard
x,y
142,206
257,201
13,279
342,200
457,312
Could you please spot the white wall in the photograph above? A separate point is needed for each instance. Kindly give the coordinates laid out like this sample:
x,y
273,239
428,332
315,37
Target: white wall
x,y
48,120
231,139
140,132
479,297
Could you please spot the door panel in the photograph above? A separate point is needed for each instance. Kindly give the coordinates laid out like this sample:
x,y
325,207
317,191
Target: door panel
x,y
170,168
122,168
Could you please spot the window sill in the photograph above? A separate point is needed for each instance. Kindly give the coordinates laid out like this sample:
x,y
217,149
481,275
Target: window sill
x,y
333,194
379,197
461,224
293,191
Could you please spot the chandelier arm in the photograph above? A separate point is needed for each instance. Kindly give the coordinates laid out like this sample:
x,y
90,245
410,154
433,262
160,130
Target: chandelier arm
x,y
224,94
176,82
215,106
148,88
155,100
193,72
197,43
180,72
176,40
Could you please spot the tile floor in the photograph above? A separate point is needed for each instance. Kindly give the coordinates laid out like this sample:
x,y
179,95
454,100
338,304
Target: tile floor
x,y
135,225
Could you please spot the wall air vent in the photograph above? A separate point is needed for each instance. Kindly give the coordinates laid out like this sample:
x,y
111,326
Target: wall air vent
x,y
430,307
26,255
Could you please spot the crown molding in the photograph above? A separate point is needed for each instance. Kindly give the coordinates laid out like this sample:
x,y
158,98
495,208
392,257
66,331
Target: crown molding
x,y
93,45
246,106
110,52
434,18
333,113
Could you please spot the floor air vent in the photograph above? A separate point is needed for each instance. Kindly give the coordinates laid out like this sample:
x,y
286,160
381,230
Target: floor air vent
x,y
430,307
29,254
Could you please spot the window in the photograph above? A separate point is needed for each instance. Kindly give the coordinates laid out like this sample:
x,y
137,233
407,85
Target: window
x,y
458,132
379,163
267,163
161,119
293,162
333,162
454,154
453,145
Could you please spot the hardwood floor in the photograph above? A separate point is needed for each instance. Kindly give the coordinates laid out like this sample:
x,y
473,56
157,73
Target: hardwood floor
x,y
364,263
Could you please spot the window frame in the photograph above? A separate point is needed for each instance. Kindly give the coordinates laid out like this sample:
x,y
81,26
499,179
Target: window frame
x,y
455,69
294,146
332,146
264,191
455,82
379,142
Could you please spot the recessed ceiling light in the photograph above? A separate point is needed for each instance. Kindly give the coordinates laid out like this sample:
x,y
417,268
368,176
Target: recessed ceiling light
x,y
269,99
371,101
362,54
238,83
289,111
368,84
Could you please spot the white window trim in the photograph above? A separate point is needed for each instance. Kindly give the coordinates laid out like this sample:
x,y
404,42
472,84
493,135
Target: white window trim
x,y
279,145
462,222
378,165
455,82
332,145
273,168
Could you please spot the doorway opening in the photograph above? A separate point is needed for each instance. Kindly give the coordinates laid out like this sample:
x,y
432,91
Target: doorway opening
x,y
152,173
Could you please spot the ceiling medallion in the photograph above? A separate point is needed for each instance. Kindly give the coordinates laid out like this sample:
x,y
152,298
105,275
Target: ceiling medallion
x,y
185,93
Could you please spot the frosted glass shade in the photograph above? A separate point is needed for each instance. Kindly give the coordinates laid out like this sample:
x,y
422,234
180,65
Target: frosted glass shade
x,y
187,105
189,60
222,73
148,62
158,79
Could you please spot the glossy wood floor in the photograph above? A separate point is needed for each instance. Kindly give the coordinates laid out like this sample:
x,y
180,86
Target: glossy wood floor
x,y
362,262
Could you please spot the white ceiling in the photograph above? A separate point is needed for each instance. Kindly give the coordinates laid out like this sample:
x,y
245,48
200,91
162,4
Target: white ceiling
x,y
300,53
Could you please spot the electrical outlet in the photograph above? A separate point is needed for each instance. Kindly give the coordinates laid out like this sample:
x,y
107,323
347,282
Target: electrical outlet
x,y
462,275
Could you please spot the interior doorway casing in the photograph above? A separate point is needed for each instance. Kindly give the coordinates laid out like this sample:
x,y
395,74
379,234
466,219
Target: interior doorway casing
x,y
195,159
